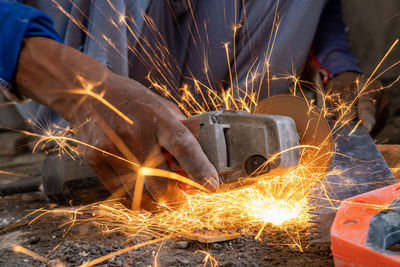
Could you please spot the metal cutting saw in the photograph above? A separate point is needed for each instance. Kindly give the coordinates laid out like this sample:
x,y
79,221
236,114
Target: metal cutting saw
x,y
243,145
272,139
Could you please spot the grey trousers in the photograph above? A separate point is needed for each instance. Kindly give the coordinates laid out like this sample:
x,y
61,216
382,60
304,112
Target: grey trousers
x,y
217,43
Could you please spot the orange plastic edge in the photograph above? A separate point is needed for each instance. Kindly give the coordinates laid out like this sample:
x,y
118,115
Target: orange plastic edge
x,y
350,229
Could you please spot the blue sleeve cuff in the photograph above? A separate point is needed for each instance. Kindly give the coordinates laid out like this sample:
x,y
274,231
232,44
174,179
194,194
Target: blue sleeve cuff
x,y
16,22
337,61
331,47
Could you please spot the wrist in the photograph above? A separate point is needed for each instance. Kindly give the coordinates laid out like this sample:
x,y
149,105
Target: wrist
x,y
349,72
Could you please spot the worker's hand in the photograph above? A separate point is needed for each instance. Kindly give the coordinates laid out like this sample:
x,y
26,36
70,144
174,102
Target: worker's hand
x,y
141,123
351,96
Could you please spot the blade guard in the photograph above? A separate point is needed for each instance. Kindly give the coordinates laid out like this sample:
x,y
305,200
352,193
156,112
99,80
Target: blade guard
x,y
241,145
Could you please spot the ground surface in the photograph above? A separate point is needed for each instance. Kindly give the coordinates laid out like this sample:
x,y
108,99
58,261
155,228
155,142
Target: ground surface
x,y
46,235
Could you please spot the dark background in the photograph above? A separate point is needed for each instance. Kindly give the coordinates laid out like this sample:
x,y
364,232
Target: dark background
x,y
373,26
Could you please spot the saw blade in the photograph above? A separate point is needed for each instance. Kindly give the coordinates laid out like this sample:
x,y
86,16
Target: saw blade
x,y
313,128
357,167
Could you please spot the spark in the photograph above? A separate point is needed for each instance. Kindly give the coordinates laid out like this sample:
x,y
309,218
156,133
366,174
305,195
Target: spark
x,y
122,251
156,256
277,201
62,142
145,171
87,90
208,258
20,249
355,127
226,45
9,103
13,173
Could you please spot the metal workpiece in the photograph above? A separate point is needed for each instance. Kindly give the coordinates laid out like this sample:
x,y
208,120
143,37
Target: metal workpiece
x,y
357,167
384,229
240,144
23,185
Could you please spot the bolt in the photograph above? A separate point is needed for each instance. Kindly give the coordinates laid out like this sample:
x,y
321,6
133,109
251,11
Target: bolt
x,y
214,119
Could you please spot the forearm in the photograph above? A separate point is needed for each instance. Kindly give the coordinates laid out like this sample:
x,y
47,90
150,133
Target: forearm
x,y
48,72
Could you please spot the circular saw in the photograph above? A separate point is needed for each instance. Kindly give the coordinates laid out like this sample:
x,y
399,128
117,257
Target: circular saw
x,y
282,132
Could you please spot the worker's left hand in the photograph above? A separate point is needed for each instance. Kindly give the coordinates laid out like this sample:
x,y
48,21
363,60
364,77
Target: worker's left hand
x,y
351,95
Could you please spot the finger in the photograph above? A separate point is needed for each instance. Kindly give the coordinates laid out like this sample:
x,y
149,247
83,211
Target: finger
x,y
366,112
163,190
127,179
180,142
115,173
118,179
103,171
126,173
101,154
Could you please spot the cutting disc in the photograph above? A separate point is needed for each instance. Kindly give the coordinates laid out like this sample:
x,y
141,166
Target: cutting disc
x,y
313,128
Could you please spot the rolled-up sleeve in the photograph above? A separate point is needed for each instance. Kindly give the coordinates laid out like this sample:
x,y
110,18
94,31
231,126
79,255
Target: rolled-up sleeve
x,y
16,22
331,47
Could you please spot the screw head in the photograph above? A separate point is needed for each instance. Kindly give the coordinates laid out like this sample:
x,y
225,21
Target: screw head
x,y
214,118
349,222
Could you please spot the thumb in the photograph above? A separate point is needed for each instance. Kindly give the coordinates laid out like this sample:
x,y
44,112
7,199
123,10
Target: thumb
x,y
366,112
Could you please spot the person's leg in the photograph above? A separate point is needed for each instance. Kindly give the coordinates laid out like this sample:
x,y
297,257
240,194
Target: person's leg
x,y
159,43
265,41
182,41
274,42
210,30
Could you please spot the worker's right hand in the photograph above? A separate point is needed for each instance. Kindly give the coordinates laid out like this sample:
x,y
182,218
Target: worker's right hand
x,y
156,123
48,73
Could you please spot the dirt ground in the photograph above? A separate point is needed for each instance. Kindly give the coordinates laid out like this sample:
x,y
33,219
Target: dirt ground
x,y
46,237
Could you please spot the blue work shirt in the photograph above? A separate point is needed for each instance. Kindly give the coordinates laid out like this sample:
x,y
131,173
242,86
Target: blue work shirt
x,y
331,47
16,22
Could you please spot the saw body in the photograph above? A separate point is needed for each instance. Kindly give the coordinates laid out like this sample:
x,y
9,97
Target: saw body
x,y
240,144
